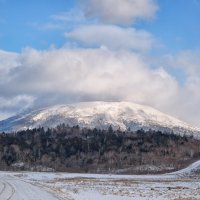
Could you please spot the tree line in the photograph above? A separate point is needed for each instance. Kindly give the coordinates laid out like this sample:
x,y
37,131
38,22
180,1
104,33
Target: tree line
x,y
75,149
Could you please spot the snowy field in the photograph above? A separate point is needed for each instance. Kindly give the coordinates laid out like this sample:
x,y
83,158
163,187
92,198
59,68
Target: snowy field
x,y
182,185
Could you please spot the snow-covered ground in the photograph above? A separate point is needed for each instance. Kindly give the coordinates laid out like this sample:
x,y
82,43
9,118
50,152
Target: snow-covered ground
x,y
14,188
181,185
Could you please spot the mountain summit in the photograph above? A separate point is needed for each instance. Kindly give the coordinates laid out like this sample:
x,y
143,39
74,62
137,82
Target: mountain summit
x,y
120,115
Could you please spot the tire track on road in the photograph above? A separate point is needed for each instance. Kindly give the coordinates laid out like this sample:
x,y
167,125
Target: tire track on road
x,y
7,191
12,188
12,191
4,187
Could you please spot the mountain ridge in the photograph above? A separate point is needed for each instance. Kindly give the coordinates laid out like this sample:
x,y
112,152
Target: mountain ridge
x,y
99,114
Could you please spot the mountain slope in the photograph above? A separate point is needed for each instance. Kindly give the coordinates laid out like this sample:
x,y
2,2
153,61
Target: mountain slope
x,y
123,115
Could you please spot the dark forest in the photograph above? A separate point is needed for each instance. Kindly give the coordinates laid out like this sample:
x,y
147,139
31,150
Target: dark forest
x,y
72,149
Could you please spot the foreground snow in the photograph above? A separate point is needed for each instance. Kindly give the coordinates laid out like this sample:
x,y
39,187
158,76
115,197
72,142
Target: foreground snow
x,y
181,185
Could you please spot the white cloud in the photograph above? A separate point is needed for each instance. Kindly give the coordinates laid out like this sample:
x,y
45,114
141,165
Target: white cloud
x,y
64,75
189,61
186,63
113,37
24,101
62,21
41,78
8,61
72,15
10,105
120,11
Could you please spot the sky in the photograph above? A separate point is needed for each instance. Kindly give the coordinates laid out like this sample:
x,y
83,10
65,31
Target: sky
x,y
66,51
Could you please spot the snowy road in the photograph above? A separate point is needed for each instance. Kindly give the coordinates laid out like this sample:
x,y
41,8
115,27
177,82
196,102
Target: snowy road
x,y
183,184
12,188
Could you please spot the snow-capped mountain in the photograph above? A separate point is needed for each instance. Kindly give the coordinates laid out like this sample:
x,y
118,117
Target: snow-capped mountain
x,y
123,115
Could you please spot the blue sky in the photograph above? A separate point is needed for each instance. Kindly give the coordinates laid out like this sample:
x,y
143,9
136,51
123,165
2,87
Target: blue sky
x,y
144,51
176,24
19,21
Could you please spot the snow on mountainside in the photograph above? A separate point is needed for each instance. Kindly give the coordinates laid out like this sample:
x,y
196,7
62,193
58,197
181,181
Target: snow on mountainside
x,y
101,115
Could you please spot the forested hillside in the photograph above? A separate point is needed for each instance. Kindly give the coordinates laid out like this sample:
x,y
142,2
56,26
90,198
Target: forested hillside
x,y
73,149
